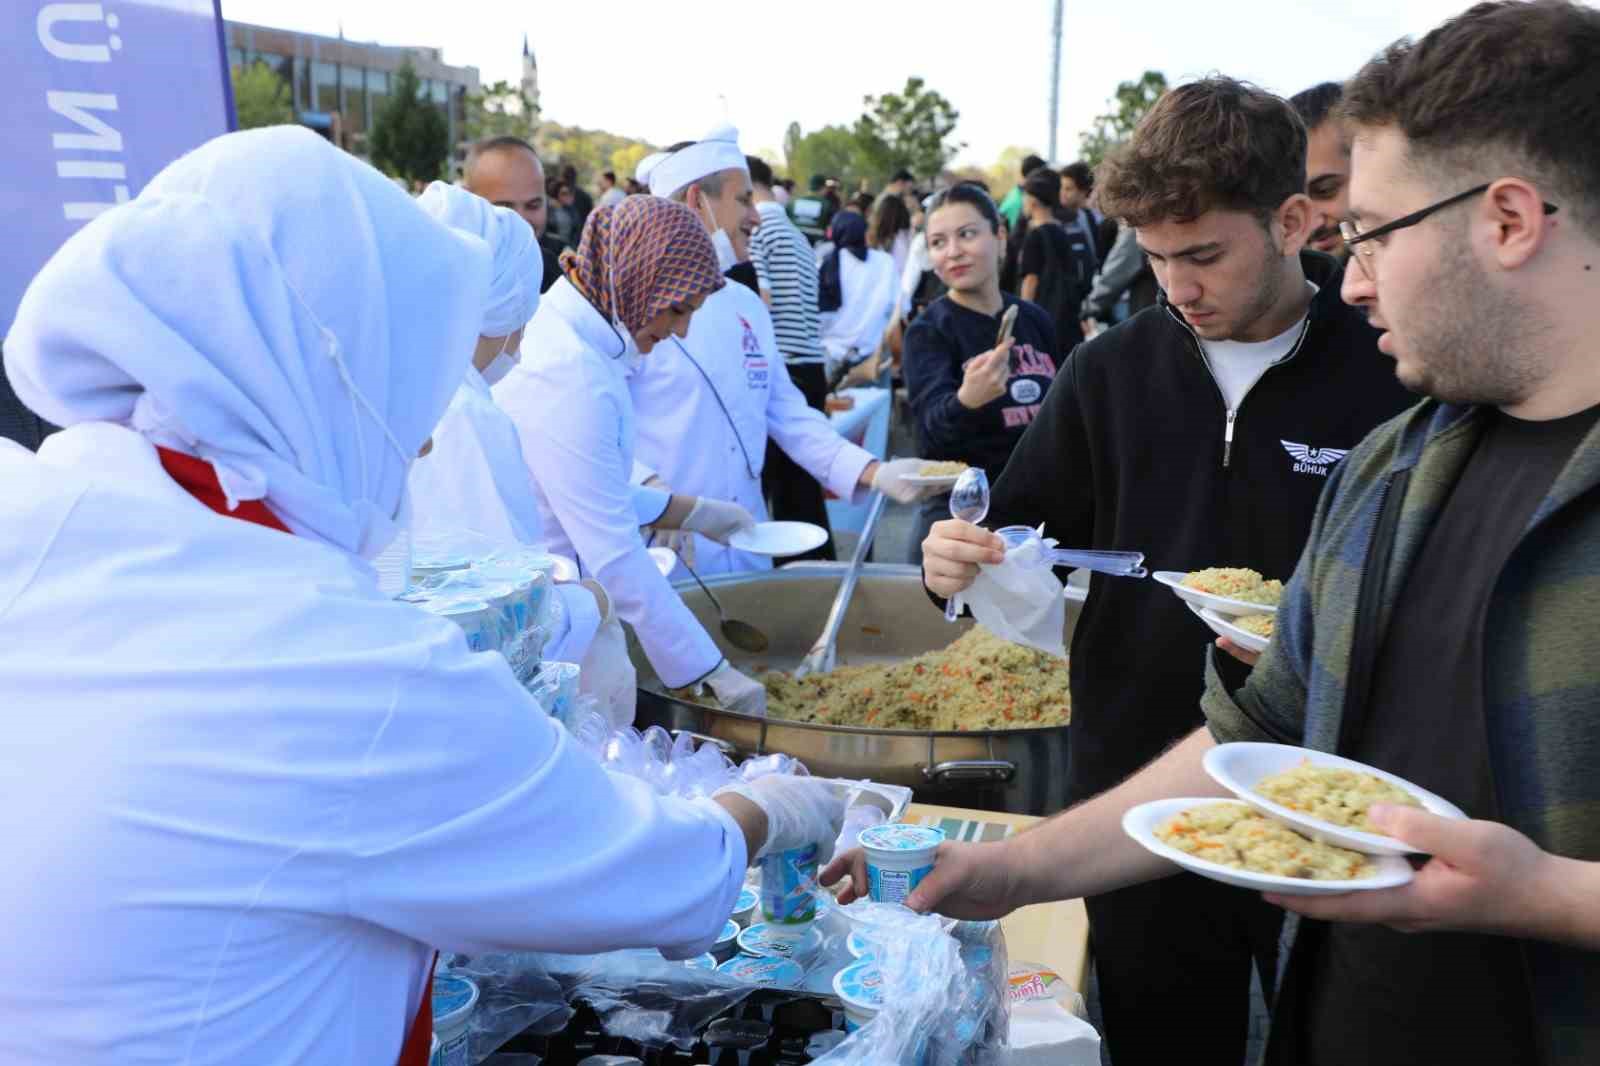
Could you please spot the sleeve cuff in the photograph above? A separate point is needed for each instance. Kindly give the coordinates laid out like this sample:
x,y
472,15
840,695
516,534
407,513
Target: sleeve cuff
x,y
649,504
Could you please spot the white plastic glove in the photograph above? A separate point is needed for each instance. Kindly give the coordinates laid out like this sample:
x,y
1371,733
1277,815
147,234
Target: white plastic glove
x,y
736,691
891,481
607,674
800,811
717,519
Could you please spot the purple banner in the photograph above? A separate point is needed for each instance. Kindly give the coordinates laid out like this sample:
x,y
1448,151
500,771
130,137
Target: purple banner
x,y
101,97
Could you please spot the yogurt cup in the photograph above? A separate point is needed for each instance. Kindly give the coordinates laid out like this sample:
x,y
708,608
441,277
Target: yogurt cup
x,y
727,945
744,911
787,879
773,973
707,961
860,988
858,946
433,1051
454,1000
898,857
478,621
779,942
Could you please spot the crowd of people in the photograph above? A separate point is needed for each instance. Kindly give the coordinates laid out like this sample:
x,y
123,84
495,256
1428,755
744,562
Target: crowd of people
x,y
1346,336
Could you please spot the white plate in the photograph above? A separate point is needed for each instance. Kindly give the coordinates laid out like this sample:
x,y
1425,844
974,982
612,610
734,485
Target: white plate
x,y
1222,627
1173,579
1237,767
779,538
664,558
1140,823
933,479
565,569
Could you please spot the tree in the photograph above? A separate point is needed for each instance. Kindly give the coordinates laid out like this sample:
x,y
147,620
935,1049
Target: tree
x,y
260,97
1127,106
1006,171
831,151
909,129
502,110
410,138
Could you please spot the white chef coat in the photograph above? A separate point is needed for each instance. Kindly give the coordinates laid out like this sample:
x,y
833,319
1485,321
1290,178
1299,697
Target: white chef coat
x,y
575,418
247,796
868,295
474,480
706,433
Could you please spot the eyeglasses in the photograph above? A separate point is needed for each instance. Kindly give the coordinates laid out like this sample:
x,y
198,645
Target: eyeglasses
x,y
1363,257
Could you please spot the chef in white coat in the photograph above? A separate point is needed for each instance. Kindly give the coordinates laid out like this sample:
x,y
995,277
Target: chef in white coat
x,y
708,403
474,480
248,796
643,269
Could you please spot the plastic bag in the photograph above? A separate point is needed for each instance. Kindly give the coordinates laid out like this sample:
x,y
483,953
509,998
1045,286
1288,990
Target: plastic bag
x,y
555,687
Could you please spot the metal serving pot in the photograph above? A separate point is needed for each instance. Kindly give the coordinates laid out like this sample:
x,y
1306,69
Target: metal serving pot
x,y
1023,771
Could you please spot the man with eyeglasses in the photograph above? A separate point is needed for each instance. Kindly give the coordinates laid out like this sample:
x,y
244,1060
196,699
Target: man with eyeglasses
x,y
1441,623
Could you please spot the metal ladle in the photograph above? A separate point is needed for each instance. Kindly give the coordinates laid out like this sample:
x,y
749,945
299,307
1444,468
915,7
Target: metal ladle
x,y
741,635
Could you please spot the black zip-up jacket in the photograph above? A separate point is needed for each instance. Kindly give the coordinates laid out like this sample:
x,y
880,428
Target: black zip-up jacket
x,y
1134,449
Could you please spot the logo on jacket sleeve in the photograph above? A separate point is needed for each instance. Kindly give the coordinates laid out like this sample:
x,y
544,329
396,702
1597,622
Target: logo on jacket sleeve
x,y
1309,460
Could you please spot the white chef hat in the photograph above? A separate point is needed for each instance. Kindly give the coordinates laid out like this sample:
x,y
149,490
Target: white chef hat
x,y
667,172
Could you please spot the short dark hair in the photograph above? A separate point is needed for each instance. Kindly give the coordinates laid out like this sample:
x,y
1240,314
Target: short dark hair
x,y
971,194
609,175
569,173
1499,83
1044,184
890,217
1214,143
818,181
1030,163
902,175
1081,173
504,143
760,173
862,201
1315,104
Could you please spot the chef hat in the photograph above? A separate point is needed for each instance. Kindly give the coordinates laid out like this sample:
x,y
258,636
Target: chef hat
x,y
667,172
518,267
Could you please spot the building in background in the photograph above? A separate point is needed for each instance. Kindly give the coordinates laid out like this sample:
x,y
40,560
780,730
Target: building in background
x,y
530,76
339,85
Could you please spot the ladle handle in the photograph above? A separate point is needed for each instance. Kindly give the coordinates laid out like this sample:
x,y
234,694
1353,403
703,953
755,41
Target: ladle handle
x,y
823,654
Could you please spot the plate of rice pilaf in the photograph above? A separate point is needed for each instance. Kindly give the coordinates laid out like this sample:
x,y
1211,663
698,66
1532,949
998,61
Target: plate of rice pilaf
x,y
1323,796
1253,632
1229,590
1231,842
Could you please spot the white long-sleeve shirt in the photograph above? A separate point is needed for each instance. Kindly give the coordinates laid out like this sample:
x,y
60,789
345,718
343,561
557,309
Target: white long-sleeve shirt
x,y
247,796
707,405
474,480
868,289
569,399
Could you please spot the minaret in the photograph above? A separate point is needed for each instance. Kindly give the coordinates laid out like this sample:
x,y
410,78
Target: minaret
x,y
530,75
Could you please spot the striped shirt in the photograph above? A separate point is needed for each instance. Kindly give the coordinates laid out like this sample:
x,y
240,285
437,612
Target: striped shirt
x,y
787,269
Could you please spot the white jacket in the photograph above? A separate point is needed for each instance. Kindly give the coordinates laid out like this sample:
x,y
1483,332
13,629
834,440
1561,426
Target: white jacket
x,y
575,418
707,405
474,480
246,797
868,298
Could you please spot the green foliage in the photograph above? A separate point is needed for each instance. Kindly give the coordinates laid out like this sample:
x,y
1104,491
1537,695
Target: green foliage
x,y
410,138
590,151
909,129
501,110
1127,106
1006,171
261,97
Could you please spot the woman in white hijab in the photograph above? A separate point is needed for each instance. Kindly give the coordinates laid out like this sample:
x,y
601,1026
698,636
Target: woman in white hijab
x,y
247,796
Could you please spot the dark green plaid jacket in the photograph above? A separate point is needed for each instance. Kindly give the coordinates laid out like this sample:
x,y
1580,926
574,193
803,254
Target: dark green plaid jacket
x,y
1541,675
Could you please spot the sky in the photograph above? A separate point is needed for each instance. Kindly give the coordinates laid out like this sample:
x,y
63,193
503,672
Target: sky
x,y
666,73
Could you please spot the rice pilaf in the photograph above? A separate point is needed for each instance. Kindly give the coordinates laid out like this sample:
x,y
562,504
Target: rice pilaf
x,y
1335,795
1235,583
1232,834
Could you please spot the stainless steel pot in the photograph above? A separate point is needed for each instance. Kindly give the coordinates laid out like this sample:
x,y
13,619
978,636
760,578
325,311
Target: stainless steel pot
x,y
890,618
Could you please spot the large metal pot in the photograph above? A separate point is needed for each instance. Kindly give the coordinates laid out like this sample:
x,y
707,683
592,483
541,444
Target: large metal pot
x,y
890,618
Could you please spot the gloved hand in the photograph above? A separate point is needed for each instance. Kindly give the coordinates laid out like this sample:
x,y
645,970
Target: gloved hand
x,y
891,481
800,811
717,519
736,691
607,674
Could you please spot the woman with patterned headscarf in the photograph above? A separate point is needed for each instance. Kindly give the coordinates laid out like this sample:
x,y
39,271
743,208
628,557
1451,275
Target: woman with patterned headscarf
x,y
643,267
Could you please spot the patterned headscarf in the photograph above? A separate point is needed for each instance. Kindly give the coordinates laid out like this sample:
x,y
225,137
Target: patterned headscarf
x,y
648,253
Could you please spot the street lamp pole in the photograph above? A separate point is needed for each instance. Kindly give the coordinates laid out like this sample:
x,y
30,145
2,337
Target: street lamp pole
x,y
1055,80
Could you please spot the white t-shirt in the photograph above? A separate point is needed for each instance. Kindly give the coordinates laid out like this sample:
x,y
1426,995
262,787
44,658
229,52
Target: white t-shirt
x,y
1236,365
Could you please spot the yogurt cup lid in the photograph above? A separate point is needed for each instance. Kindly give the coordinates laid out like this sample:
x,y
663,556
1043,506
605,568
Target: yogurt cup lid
x,y
861,985
858,946
730,933
780,973
779,941
452,996
707,961
749,899
900,837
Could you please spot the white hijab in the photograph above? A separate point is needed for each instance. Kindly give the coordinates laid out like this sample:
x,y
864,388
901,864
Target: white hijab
x,y
513,293
274,306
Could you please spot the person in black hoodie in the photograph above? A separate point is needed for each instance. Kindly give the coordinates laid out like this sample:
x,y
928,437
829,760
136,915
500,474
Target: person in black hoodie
x,y
1200,432
972,398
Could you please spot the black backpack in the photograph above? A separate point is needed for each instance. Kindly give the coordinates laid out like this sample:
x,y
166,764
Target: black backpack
x,y
1067,278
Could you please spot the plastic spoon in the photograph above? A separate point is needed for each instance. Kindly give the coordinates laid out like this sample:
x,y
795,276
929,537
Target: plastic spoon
x,y
969,502
1117,564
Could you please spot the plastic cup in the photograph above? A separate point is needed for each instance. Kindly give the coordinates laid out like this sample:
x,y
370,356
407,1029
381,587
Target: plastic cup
x,y
727,945
744,911
780,942
454,1000
787,879
898,857
773,973
860,988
